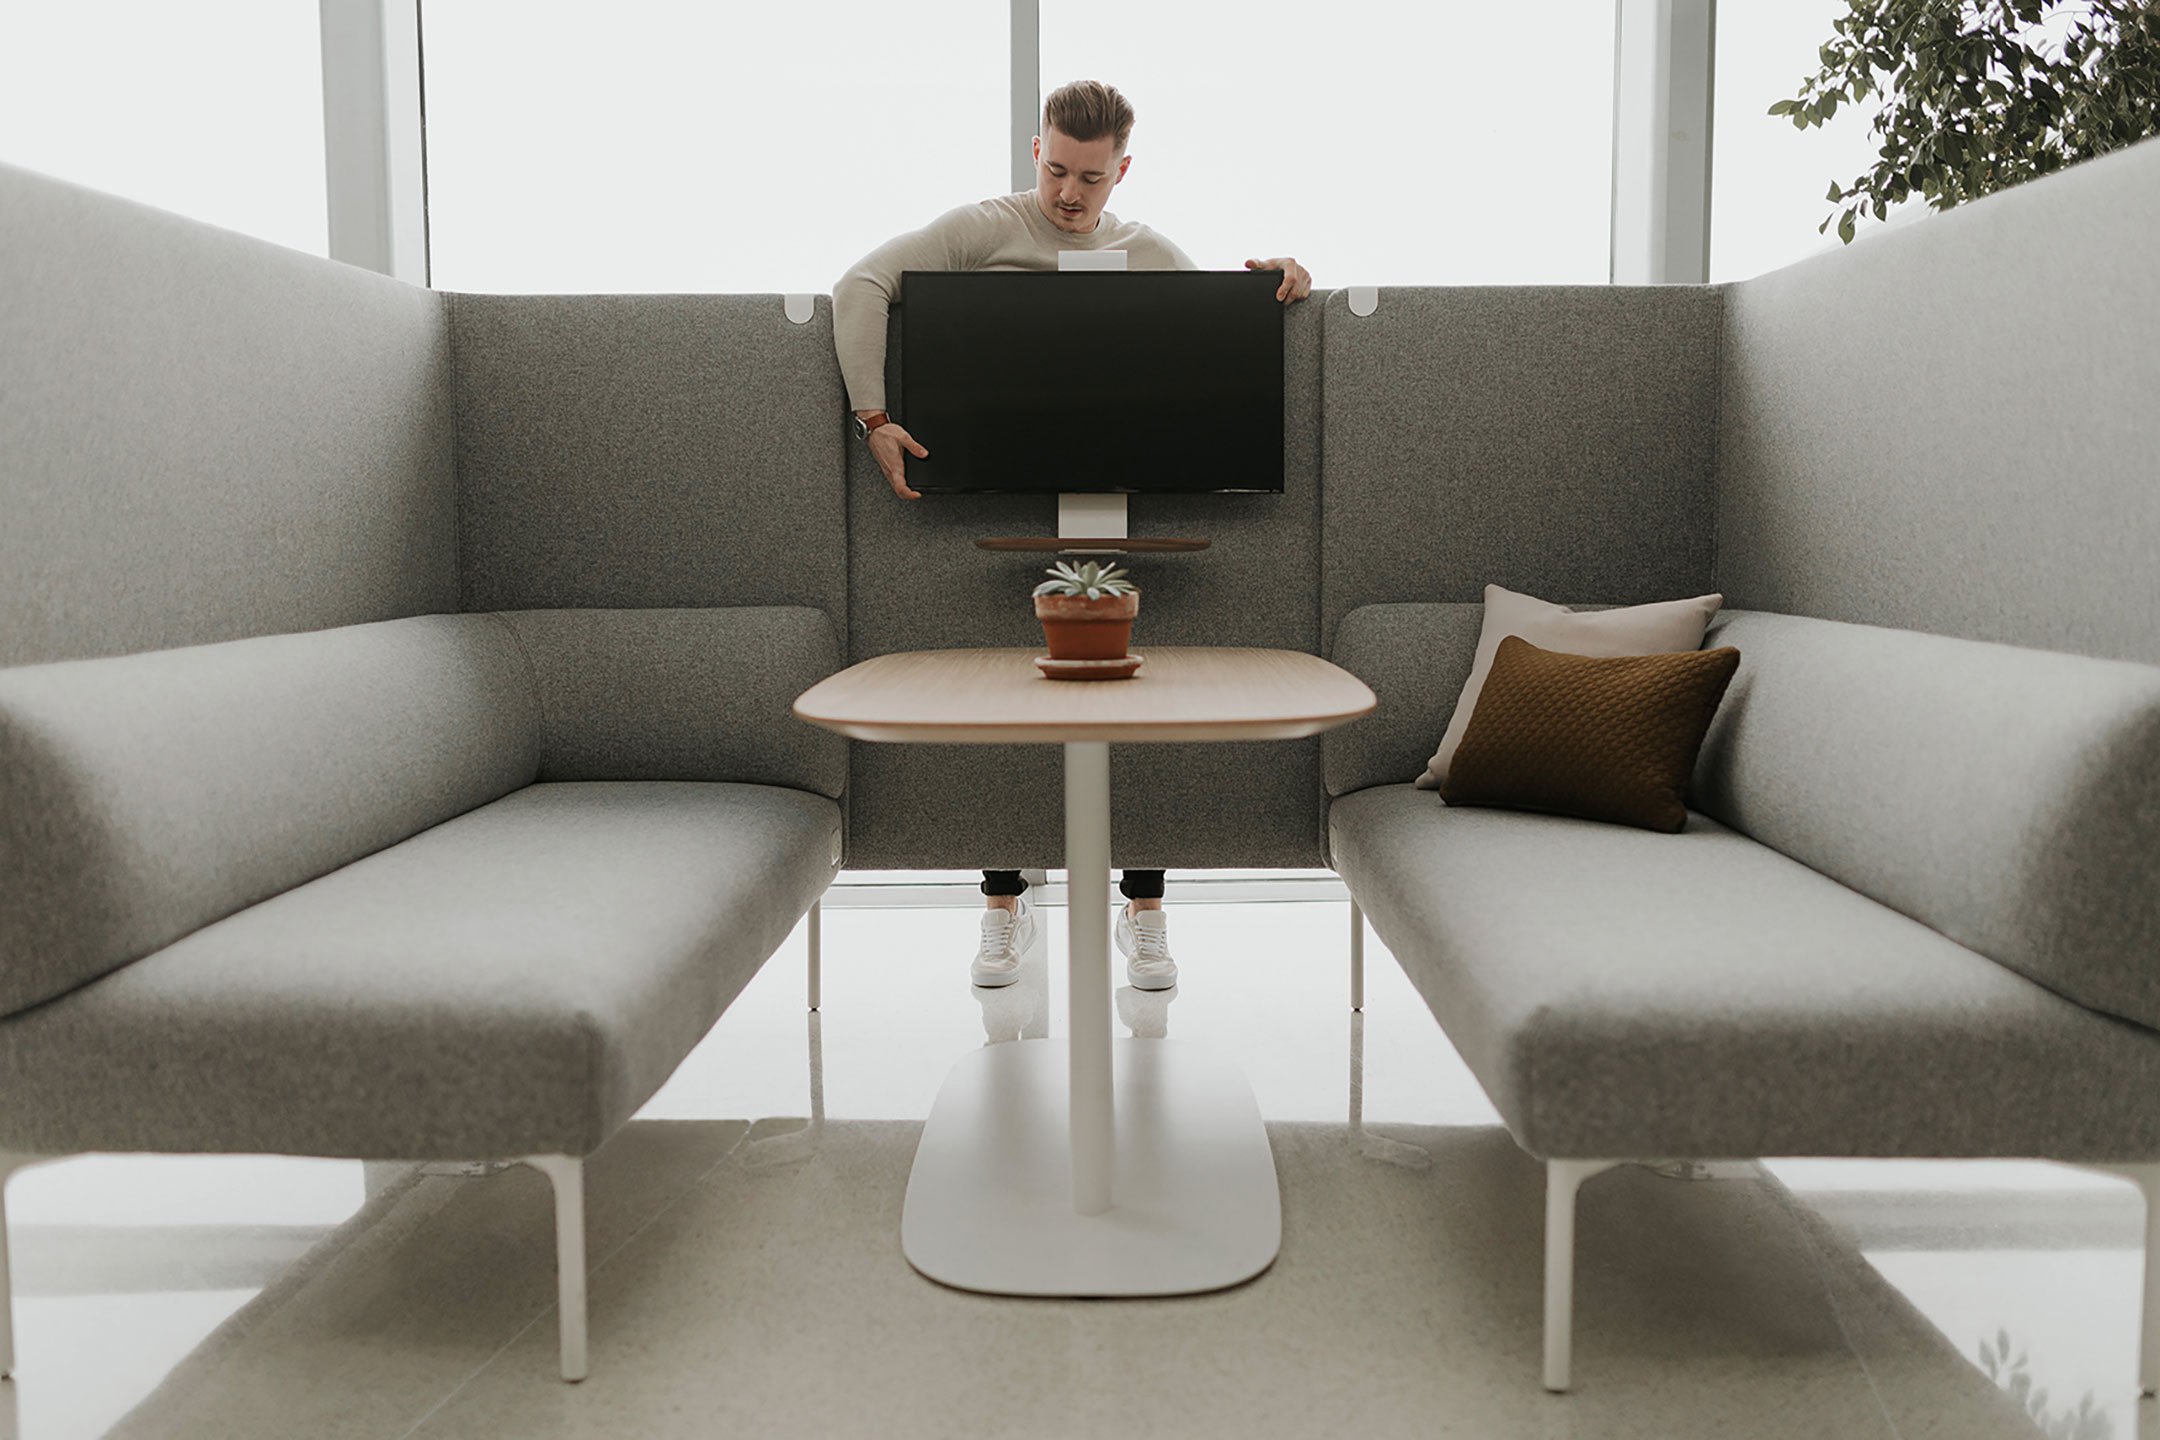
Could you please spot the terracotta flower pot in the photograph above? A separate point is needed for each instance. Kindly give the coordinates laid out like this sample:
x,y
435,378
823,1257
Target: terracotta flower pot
x,y
1078,628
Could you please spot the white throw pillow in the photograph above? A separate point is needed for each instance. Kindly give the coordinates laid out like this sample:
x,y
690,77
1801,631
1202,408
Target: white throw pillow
x,y
1658,629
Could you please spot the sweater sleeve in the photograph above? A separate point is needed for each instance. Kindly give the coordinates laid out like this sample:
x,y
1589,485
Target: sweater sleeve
x,y
862,299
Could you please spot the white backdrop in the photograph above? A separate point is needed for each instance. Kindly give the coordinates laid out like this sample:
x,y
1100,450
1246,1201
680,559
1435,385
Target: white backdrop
x,y
657,145
1444,143
212,108
675,145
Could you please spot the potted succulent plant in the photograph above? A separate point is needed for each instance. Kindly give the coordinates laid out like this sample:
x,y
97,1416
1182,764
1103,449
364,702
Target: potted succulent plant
x,y
1087,611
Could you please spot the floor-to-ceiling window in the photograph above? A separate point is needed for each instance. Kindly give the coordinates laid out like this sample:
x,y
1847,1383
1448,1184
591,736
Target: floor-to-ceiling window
x,y
1382,144
660,145
684,146
1769,181
211,108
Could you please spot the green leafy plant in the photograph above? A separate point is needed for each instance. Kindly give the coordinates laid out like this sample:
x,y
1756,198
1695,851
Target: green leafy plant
x,y
1092,580
1979,95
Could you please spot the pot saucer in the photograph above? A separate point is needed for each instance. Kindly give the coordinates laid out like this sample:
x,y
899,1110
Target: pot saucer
x,y
1121,668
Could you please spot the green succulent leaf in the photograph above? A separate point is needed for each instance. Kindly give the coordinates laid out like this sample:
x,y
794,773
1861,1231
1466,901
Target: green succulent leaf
x,y
1090,579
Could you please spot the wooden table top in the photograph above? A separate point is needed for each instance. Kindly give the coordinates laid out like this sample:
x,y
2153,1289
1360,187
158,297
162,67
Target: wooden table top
x,y
984,697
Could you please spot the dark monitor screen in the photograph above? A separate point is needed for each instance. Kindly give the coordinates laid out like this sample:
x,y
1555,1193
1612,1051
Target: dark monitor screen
x,y
1155,380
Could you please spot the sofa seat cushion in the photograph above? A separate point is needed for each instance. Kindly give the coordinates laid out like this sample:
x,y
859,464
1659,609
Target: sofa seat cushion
x,y
1625,995
516,980
144,796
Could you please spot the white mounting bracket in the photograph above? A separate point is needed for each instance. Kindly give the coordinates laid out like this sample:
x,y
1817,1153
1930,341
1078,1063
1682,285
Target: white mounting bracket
x,y
1364,299
1091,260
799,308
1091,517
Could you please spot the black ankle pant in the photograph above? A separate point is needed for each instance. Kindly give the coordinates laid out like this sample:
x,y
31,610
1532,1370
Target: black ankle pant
x,y
1132,884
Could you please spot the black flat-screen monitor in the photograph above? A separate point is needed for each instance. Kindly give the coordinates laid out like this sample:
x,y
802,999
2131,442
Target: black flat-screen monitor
x,y
1093,381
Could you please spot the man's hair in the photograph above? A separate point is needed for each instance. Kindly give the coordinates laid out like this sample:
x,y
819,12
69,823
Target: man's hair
x,y
1089,110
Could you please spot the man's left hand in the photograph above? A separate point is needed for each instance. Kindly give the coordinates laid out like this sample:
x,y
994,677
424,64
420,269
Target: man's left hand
x,y
1296,279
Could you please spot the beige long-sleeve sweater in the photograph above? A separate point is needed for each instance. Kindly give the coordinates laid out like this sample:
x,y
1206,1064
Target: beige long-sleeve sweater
x,y
1007,233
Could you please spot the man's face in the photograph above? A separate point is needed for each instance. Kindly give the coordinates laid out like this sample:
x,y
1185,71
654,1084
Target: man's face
x,y
1073,178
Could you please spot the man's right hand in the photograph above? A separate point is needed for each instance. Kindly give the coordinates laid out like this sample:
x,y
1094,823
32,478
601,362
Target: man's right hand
x,y
886,444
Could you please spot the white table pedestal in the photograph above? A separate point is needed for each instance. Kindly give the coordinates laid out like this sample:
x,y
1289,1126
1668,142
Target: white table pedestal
x,y
1195,1205
1092,1168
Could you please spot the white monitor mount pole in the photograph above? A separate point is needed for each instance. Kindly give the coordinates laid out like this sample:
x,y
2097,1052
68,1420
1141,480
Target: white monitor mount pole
x,y
1091,517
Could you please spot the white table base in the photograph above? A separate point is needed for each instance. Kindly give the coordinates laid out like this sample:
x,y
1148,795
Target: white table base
x,y
1195,1205
1092,1168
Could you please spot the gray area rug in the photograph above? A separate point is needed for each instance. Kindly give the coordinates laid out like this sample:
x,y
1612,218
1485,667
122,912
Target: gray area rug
x,y
752,1284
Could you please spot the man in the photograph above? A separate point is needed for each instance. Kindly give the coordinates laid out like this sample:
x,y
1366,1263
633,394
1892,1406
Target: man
x,y
1079,158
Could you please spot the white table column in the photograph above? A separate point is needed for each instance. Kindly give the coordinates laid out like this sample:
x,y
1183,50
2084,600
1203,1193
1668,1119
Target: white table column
x,y
1087,928
1094,1165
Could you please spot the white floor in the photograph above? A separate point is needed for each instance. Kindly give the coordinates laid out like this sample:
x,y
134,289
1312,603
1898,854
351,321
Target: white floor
x,y
125,1265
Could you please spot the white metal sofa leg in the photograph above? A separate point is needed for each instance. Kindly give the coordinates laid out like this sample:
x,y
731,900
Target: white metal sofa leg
x,y
2147,1179
817,948
10,1162
567,1174
1562,1179
7,1288
1357,957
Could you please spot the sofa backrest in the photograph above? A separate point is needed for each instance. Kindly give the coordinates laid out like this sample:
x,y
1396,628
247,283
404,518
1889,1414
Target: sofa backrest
x,y
1952,425
144,796
647,451
682,694
261,441
205,436
2008,798
675,456
1556,440
1415,658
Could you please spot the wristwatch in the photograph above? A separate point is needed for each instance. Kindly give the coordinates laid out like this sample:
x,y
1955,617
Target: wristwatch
x,y
864,424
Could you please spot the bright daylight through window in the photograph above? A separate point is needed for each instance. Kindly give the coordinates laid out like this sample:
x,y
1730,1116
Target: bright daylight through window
x,y
698,147
1381,144
212,109
1768,180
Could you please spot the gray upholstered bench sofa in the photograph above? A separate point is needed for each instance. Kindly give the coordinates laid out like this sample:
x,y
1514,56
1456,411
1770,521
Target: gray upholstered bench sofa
x,y
1917,909
282,539
365,791
453,886
1913,913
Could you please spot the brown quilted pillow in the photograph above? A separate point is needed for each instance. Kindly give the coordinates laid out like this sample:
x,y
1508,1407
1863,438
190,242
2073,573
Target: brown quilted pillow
x,y
1603,738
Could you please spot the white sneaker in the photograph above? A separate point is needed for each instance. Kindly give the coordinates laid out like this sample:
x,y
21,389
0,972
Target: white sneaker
x,y
1006,936
1144,939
